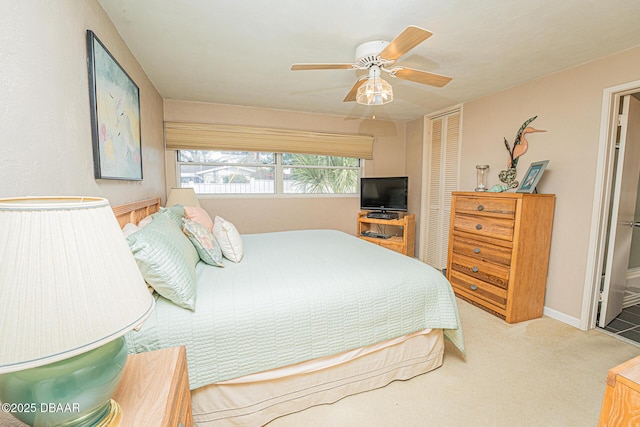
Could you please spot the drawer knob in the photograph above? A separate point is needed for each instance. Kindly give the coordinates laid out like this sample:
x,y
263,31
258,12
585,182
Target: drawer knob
x,y
480,207
476,251
478,226
473,287
474,269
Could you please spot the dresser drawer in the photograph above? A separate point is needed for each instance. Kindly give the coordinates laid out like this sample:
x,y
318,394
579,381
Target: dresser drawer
x,y
482,250
469,286
494,207
495,274
484,226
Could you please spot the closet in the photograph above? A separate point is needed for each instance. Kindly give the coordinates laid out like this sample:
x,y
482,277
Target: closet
x,y
440,178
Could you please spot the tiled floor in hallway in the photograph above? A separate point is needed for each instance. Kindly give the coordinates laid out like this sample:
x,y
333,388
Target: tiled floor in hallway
x,y
627,324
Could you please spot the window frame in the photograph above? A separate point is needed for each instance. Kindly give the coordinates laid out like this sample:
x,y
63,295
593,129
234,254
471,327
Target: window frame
x,y
278,178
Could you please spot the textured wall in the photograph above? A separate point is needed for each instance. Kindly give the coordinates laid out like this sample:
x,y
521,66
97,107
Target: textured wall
x,y
45,132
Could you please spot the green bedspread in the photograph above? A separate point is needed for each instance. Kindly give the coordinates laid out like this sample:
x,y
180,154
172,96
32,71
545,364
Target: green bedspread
x,y
297,296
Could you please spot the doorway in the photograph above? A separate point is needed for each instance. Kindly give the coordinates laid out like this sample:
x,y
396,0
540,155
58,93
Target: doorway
x,y
601,289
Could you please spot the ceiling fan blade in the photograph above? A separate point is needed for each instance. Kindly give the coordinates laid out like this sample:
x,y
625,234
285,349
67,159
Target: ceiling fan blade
x,y
420,77
302,67
411,37
351,96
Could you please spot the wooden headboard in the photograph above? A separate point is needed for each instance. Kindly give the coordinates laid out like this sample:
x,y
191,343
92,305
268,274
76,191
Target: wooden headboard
x,y
134,212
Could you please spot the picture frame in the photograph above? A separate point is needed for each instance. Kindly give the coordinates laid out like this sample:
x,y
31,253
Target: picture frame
x,y
531,178
115,116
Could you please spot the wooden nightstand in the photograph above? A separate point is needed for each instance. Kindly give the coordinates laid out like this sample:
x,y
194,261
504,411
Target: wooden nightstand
x,y
621,403
154,390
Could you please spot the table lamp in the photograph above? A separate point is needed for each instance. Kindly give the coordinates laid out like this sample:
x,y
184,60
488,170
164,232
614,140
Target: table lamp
x,y
182,196
70,289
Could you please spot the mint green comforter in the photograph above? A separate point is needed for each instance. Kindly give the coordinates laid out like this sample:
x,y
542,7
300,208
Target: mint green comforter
x,y
296,296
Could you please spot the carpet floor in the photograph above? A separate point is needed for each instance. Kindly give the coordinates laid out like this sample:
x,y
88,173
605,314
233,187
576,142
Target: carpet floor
x,y
536,373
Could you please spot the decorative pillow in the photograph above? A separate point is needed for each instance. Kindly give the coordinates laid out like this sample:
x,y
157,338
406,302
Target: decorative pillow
x,y
167,259
174,213
198,214
204,242
229,239
129,228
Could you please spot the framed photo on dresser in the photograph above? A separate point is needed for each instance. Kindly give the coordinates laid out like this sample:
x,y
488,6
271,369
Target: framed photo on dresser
x,y
531,178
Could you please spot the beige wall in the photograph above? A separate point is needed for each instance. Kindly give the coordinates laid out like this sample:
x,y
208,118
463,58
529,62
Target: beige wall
x,y
263,214
568,105
45,133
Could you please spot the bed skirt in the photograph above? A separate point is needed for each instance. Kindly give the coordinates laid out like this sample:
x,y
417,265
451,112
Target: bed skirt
x,y
256,399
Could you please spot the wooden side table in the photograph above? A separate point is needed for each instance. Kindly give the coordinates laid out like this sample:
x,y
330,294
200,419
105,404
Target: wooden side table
x,y
154,390
621,403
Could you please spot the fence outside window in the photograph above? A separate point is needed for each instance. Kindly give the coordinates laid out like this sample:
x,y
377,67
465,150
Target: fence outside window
x,y
246,172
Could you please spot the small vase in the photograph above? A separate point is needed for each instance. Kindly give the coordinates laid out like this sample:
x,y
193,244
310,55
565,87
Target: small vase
x,y
481,174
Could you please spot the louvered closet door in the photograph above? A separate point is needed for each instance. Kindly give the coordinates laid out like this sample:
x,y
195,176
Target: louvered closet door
x,y
441,173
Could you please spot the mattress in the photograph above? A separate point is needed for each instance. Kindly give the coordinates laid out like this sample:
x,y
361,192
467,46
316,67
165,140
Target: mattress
x,y
298,296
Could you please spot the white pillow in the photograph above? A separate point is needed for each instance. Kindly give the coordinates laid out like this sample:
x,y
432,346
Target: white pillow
x,y
145,221
129,228
228,238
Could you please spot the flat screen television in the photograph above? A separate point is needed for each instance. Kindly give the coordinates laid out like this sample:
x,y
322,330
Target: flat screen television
x,y
384,194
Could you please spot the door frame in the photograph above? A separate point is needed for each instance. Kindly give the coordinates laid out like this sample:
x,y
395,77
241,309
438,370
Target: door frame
x,y
611,99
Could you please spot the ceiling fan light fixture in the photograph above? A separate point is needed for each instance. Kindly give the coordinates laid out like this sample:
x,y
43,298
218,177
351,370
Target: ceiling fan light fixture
x,y
375,91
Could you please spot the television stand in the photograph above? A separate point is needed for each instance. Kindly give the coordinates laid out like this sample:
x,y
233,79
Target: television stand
x,y
382,215
402,231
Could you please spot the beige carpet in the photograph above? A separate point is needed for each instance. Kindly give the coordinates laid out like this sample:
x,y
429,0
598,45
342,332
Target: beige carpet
x,y
537,373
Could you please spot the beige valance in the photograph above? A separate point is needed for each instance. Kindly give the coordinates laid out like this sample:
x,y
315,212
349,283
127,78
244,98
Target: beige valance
x,y
201,136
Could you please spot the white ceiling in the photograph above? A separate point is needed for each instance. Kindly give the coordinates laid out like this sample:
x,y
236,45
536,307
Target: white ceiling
x,y
240,52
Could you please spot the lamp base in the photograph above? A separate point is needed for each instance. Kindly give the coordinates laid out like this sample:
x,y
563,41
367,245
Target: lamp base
x,y
74,392
113,417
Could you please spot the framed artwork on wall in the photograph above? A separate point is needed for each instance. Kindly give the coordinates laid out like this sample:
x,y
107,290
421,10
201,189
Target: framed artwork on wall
x,y
115,115
531,178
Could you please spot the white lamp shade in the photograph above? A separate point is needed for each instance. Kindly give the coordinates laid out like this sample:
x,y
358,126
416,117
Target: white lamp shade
x,y
68,280
182,196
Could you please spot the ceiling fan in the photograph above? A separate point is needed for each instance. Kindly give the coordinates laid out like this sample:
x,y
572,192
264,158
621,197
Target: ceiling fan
x,y
376,56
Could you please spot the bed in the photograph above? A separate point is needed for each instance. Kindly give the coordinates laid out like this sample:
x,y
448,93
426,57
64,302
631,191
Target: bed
x,y
304,318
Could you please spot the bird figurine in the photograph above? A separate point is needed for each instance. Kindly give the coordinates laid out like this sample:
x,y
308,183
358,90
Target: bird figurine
x,y
520,146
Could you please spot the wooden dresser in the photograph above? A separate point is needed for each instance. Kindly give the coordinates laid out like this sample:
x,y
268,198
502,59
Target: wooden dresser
x,y
499,251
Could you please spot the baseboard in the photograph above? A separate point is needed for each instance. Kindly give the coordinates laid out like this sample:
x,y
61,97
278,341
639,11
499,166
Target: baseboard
x,y
555,314
633,277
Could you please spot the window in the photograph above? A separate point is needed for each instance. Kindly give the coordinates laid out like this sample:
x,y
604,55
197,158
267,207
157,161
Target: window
x,y
246,172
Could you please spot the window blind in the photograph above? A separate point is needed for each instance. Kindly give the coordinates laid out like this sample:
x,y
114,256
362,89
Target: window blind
x,y
202,136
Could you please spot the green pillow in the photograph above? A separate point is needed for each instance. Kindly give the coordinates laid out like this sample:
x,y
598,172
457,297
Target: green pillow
x,y
174,213
204,242
167,260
